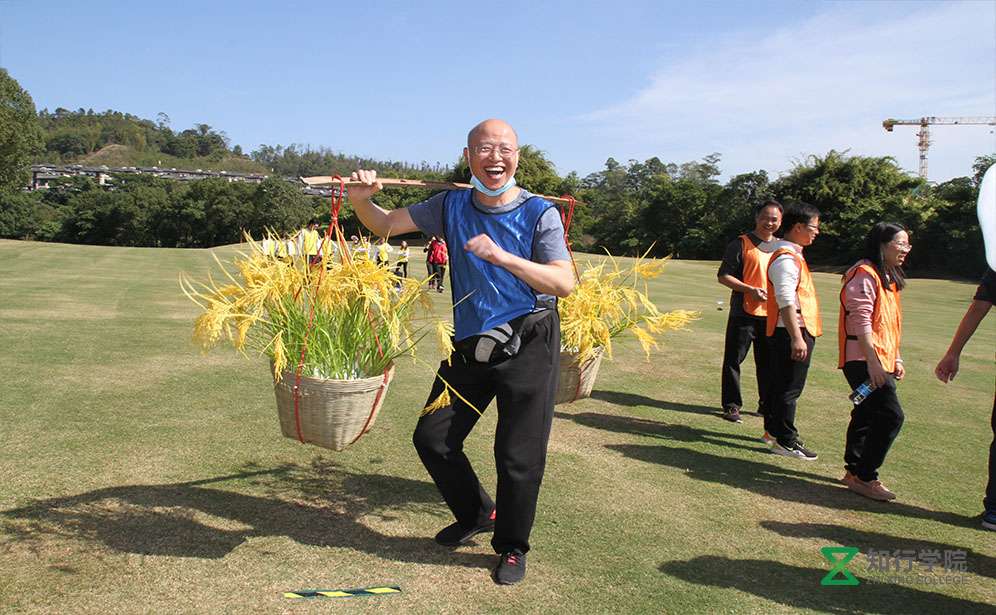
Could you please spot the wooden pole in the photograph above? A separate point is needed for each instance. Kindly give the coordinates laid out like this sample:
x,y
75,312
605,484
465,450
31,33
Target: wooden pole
x,y
326,181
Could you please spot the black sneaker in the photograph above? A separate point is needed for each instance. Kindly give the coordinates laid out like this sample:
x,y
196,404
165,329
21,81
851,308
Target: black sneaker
x,y
454,535
511,568
793,449
732,414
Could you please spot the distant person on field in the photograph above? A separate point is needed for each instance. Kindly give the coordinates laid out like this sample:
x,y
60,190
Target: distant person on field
x,y
429,269
947,368
310,239
869,331
401,266
744,271
439,258
383,252
793,325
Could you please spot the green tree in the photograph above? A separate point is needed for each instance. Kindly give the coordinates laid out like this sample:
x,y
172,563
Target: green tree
x,y
852,194
20,134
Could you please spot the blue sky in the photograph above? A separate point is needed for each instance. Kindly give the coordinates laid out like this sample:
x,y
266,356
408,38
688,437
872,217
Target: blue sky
x,y
762,83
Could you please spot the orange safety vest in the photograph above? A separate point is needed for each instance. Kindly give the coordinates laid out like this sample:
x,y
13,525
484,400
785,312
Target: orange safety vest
x,y
809,305
755,274
887,320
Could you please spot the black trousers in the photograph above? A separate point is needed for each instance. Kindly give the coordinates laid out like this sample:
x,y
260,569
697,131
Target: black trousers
x,y
788,378
990,501
438,274
742,331
875,423
401,269
525,387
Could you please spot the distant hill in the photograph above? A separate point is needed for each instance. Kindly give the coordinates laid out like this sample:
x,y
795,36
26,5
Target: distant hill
x,y
115,155
113,138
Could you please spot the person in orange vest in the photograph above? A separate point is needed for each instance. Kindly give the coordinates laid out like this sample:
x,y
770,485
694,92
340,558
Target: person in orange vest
x,y
947,368
793,324
869,329
744,271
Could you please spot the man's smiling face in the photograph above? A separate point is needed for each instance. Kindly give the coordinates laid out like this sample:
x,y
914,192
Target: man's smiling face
x,y
493,153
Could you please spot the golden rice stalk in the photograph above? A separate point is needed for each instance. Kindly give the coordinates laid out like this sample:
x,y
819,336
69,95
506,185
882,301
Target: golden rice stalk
x,y
440,402
609,300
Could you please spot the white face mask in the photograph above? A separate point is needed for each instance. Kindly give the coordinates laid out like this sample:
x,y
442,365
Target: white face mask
x,y
480,187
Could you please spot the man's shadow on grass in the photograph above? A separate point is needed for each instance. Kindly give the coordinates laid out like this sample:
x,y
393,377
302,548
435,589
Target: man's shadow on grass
x,y
320,506
978,563
621,398
799,588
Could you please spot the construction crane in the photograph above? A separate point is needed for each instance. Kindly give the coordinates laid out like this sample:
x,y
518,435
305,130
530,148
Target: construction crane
x,y
924,134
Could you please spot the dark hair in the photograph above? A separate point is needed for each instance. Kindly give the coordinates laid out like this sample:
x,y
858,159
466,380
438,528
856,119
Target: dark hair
x,y
879,235
797,213
313,221
767,203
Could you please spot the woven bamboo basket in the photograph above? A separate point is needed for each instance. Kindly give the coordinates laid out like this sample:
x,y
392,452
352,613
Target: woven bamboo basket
x,y
576,378
333,413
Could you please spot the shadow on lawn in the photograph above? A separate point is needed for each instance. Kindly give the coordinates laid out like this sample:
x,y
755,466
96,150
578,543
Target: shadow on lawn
x,y
769,479
666,431
320,505
775,481
978,563
632,399
799,588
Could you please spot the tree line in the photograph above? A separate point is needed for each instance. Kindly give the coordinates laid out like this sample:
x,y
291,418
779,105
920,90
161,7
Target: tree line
x,y
682,209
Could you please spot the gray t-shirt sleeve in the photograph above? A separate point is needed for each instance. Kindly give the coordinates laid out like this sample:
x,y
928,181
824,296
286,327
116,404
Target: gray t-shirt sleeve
x,y
428,215
548,243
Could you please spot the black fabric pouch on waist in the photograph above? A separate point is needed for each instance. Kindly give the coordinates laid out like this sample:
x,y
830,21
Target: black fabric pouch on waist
x,y
500,343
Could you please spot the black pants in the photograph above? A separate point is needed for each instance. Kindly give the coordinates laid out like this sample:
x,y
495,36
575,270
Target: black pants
x,y
401,269
788,378
741,332
525,386
990,501
438,275
875,423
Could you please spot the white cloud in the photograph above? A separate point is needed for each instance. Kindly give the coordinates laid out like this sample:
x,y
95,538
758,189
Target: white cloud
x,y
825,83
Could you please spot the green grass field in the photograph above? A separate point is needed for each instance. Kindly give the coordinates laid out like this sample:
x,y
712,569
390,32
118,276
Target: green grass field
x,y
141,476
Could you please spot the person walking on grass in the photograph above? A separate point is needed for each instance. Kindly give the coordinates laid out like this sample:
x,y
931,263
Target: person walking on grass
x,y
401,265
792,328
429,269
869,330
438,258
383,251
508,266
947,368
744,272
310,242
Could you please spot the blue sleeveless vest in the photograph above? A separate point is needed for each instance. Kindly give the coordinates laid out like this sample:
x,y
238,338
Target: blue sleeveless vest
x,y
485,295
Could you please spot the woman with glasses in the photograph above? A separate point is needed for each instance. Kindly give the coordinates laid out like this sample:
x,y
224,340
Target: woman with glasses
x,y
869,331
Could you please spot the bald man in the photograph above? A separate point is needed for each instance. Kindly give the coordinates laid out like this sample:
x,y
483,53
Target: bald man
x,y
508,264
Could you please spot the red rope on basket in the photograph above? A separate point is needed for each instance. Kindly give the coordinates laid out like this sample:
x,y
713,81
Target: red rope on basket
x,y
566,219
296,392
337,200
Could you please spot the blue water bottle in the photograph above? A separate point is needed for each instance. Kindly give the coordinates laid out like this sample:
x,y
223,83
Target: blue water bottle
x,y
861,393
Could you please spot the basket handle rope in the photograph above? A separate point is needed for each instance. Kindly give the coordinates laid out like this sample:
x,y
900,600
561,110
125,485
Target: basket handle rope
x,y
566,218
340,239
